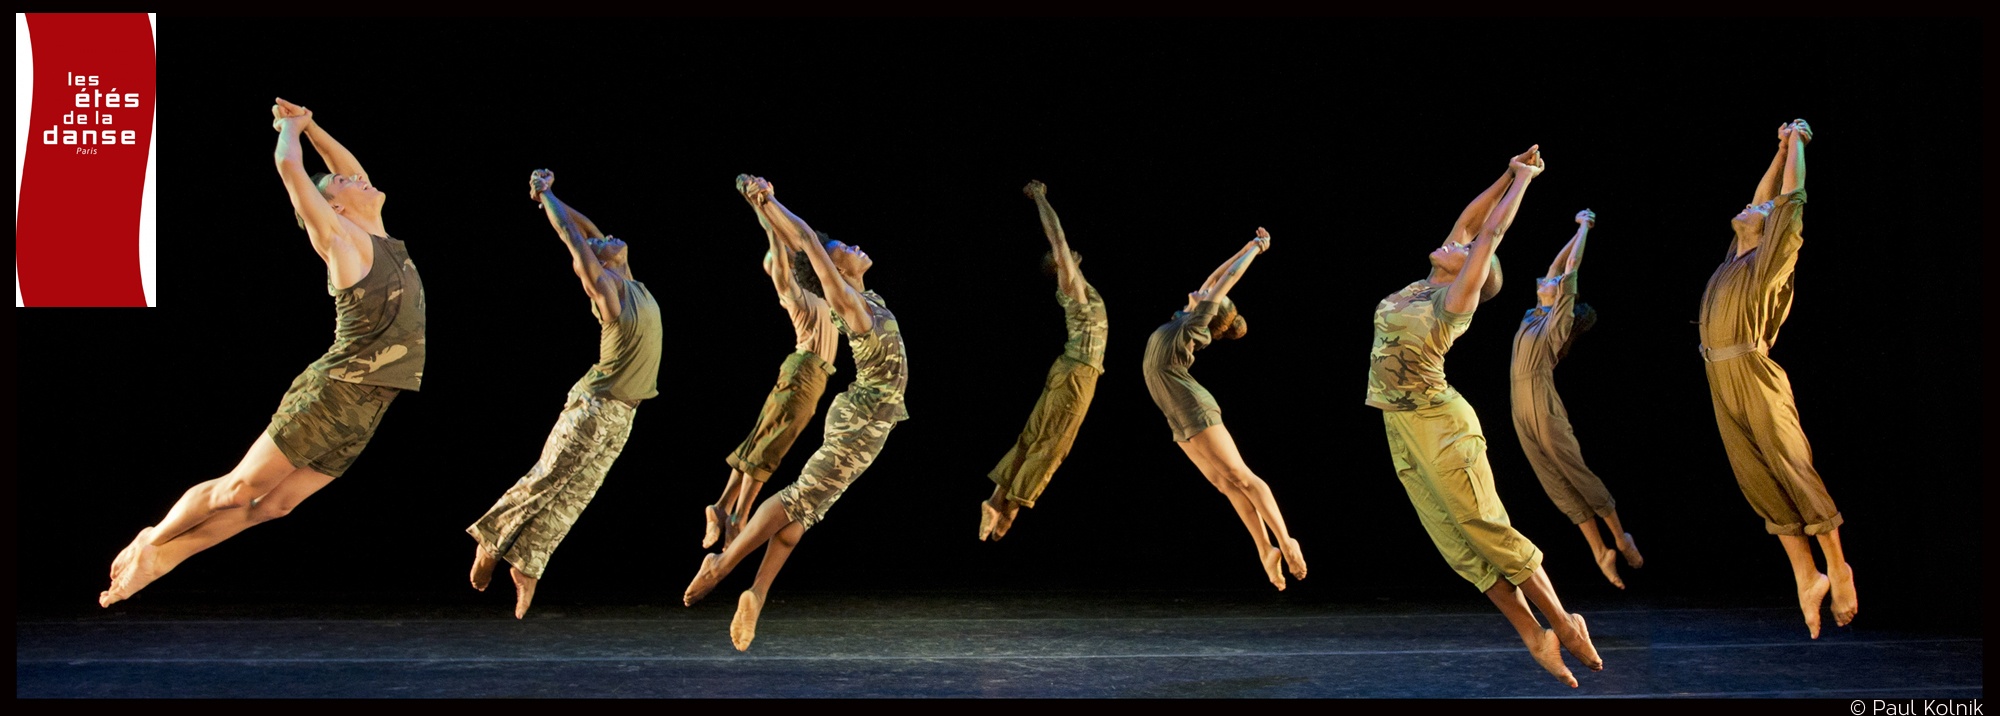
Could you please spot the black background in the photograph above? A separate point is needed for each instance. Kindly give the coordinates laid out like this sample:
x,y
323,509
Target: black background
x,y
1164,145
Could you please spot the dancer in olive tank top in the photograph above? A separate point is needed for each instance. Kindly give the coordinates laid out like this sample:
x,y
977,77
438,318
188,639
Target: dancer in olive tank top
x,y
331,410
1541,421
857,423
535,515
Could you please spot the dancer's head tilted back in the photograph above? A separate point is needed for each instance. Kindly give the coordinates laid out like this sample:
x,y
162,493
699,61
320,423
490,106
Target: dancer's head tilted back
x,y
611,251
346,193
1229,323
1050,266
1449,260
844,259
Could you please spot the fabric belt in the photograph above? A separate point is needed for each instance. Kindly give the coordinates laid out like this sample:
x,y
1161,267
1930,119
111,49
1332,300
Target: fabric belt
x,y
1717,355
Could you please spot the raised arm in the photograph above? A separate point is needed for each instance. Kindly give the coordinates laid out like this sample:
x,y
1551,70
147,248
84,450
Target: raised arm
x,y
1463,296
1795,157
1767,186
543,180
583,259
1475,213
1571,255
1225,276
337,158
840,296
323,226
1068,277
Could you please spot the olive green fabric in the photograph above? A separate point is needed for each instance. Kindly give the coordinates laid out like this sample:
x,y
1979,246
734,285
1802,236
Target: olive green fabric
x,y
1188,406
1440,456
324,424
1413,330
788,411
378,330
858,422
1087,326
1747,301
1043,444
1541,421
628,349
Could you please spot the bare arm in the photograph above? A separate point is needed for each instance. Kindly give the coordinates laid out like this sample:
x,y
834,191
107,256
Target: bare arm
x,y
1069,279
1463,296
337,158
1795,157
1208,284
1767,187
322,225
840,296
1227,275
1475,213
583,260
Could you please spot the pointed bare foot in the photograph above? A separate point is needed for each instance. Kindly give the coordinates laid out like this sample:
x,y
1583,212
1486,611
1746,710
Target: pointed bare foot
x,y
1007,515
1607,561
1810,598
705,579
482,567
1631,551
743,627
524,592
1845,602
1551,659
713,531
1295,558
988,517
124,559
1579,644
1274,562
143,568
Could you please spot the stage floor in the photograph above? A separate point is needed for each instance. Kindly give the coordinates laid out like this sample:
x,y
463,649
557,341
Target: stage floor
x,y
1147,644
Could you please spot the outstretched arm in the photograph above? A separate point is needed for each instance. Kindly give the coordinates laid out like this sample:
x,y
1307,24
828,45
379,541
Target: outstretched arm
x,y
796,234
1068,277
543,180
337,158
1571,255
1475,213
1225,276
1767,187
322,225
1795,157
583,260
1463,296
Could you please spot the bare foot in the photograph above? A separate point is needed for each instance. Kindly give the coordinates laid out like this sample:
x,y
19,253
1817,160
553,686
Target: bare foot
x,y
1607,561
730,529
1845,602
988,517
1007,515
124,559
1579,644
743,627
713,531
1274,567
704,579
1551,659
524,592
1810,598
143,568
482,567
1631,551
1295,558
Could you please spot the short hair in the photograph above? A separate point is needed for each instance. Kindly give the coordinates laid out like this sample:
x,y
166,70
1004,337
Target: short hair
x,y
1493,281
316,179
803,273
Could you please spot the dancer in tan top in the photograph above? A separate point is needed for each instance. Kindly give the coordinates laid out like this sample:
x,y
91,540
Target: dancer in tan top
x,y
1540,419
1746,302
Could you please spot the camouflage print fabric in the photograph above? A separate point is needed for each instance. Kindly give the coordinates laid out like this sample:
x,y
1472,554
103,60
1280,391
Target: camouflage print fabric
x,y
323,424
1440,457
881,368
1087,326
534,515
1412,333
854,436
1028,466
378,331
1747,301
787,411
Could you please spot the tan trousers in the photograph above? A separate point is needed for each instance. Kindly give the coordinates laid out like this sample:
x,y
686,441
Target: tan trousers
x,y
1440,456
1767,447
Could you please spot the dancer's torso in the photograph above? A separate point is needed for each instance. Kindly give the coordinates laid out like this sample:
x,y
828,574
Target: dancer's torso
x,y
1087,326
881,369
1412,333
378,330
628,349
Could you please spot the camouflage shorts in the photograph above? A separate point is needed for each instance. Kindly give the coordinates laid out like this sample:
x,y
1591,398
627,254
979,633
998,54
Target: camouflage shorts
x,y
853,438
787,411
535,514
323,424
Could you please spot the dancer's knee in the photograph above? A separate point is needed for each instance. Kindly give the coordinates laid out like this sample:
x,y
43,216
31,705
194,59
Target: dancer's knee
x,y
267,509
226,493
1241,477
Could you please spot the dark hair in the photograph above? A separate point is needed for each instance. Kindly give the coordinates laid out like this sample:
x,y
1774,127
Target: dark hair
x,y
316,179
1585,318
802,269
1493,281
1049,260
1228,324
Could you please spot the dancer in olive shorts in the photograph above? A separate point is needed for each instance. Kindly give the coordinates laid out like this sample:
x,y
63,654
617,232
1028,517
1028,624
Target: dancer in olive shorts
x,y
1435,439
857,424
331,410
534,516
1027,467
1197,421
789,408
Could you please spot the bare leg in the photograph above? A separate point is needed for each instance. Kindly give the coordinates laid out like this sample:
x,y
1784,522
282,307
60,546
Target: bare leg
x,y
1245,511
1570,628
770,518
1845,602
1607,559
746,498
717,513
1812,585
1541,642
1220,449
1625,545
150,562
743,627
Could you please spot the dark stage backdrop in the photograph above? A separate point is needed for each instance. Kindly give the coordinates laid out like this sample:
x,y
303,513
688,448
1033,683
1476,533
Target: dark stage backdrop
x,y
1164,145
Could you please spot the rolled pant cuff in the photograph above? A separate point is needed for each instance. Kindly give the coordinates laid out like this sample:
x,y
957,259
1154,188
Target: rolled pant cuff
x,y
1796,529
1527,572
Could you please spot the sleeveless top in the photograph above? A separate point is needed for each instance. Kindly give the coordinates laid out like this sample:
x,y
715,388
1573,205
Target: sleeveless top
x,y
1087,327
812,324
1413,330
378,323
881,368
628,349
